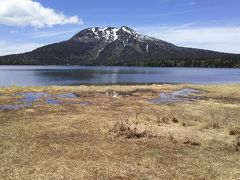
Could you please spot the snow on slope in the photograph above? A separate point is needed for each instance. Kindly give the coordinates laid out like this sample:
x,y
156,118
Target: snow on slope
x,y
110,33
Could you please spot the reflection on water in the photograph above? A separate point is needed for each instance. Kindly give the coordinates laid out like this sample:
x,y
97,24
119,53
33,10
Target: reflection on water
x,y
77,75
28,98
14,107
176,96
68,96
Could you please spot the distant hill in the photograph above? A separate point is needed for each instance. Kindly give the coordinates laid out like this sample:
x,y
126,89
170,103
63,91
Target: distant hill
x,y
123,46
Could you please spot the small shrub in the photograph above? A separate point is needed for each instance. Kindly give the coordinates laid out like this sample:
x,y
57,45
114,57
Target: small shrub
x,y
235,131
191,141
214,120
172,139
237,144
213,125
163,120
175,120
129,130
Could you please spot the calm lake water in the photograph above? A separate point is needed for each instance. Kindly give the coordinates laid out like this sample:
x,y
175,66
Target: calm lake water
x,y
76,75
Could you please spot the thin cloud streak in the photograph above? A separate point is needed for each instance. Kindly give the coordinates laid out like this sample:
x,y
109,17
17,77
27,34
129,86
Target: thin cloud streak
x,y
191,3
224,39
45,34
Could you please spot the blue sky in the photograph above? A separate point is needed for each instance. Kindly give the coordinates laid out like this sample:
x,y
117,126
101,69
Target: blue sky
x,y
208,24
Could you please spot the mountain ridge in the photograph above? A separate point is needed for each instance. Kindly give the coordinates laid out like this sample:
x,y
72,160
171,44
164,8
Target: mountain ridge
x,y
122,46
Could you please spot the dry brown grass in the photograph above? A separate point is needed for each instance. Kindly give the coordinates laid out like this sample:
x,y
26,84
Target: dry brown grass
x,y
123,136
130,130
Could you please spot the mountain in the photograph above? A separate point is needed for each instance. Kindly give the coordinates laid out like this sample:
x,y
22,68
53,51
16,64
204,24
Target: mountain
x,y
120,46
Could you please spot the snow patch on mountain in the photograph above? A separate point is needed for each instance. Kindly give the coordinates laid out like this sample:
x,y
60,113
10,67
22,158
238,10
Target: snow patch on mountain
x,y
107,33
99,51
147,48
125,42
124,34
126,30
144,37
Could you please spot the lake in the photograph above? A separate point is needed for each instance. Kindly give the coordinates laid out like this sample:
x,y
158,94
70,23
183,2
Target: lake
x,y
79,75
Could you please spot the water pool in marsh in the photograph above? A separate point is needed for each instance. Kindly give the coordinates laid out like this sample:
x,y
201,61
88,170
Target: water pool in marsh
x,y
28,98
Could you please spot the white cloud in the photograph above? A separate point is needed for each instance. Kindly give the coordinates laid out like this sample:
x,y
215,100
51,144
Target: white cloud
x,y
31,13
16,48
191,3
224,39
13,32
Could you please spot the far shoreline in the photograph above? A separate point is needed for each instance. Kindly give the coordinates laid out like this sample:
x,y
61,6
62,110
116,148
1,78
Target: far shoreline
x,y
197,67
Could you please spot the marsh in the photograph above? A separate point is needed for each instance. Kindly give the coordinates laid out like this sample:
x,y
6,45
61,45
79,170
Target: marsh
x,y
119,134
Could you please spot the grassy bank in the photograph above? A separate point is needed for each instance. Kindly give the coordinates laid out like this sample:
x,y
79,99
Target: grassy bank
x,y
120,135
